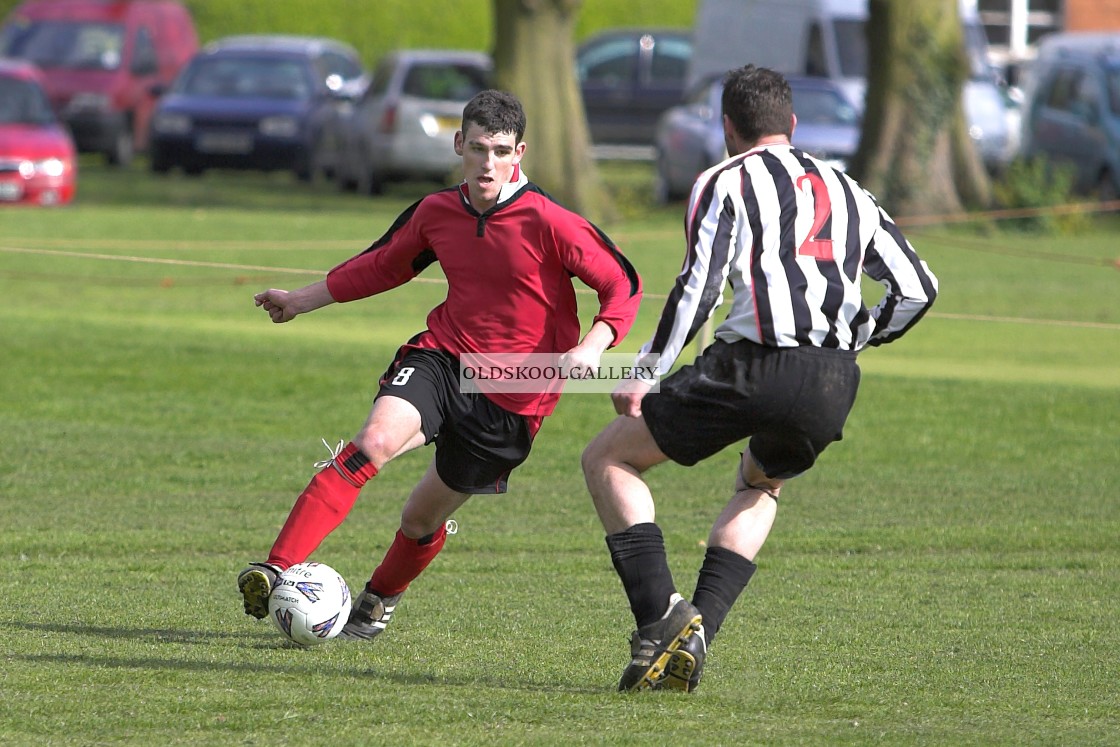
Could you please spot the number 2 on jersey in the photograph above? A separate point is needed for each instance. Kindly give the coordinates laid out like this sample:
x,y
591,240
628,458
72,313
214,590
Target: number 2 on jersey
x,y
813,246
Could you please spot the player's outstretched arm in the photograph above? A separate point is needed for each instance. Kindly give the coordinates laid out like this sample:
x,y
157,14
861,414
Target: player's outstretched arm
x,y
284,306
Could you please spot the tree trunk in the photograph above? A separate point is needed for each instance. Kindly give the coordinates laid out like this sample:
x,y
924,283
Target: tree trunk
x,y
534,57
915,154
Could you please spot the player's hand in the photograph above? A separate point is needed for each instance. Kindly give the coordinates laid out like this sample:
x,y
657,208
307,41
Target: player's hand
x,y
627,397
277,303
580,361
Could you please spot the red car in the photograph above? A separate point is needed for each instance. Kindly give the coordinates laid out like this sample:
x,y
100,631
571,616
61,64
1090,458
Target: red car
x,y
38,162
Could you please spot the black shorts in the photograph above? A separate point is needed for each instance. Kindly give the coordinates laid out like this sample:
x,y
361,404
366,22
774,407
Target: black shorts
x,y
477,442
792,402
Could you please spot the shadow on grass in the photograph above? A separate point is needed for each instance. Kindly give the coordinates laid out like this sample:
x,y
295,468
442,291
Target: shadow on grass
x,y
163,635
471,677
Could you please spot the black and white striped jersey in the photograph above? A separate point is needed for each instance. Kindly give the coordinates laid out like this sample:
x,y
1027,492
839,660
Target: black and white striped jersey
x,y
791,236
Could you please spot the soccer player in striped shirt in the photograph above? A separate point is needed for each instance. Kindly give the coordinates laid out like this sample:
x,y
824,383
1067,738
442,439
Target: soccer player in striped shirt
x,y
509,254
791,236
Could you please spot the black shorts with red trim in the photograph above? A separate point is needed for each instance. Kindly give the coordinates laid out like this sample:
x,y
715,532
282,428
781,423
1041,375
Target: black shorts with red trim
x,y
478,444
791,402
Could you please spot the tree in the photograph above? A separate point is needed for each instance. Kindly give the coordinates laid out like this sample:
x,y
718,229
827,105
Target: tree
x,y
534,57
915,153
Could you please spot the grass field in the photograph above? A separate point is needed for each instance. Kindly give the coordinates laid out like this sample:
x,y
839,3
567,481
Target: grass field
x,y
946,575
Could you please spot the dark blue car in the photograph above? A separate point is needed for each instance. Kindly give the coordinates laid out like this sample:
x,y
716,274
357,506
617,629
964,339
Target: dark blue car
x,y
252,102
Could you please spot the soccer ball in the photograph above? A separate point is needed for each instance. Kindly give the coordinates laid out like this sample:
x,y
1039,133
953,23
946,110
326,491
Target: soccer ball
x,y
309,603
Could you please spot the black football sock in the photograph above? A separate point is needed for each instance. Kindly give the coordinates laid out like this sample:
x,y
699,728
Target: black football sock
x,y
722,579
638,554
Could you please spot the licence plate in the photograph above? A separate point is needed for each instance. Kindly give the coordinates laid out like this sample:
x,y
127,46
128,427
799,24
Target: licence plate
x,y
11,191
224,142
449,123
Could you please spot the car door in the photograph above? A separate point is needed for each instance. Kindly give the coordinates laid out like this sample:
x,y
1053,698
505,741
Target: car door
x,y
1066,124
662,68
608,74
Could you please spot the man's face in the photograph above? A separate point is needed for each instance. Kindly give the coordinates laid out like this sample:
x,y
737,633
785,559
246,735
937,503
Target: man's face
x,y
488,162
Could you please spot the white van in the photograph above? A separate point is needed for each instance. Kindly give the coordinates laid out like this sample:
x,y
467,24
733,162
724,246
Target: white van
x,y
826,38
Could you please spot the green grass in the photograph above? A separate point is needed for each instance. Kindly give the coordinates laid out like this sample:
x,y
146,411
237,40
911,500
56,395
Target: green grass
x,y
946,574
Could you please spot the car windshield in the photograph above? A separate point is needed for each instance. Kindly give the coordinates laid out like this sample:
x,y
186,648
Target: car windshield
x,y
23,102
817,106
240,77
1112,80
65,44
444,82
851,47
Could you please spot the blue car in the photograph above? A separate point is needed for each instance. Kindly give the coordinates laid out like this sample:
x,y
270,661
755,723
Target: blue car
x,y
689,137
252,102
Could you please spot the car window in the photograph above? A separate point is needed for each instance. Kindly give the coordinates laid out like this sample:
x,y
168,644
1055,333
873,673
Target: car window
x,y
337,69
1112,82
817,106
609,63
23,102
237,77
815,61
670,60
1064,89
68,44
144,58
444,82
851,47
381,78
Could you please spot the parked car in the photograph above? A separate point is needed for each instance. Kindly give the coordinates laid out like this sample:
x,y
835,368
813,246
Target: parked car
x,y
690,137
628,77
828,38
1072,114
38,161
103,64
402,127
252,102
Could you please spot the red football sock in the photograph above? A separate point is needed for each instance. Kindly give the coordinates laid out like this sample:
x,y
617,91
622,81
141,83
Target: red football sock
x,y
322,506
405,560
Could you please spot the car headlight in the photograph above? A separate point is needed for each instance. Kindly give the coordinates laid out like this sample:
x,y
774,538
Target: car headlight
x,y
430,125
279,126
167,123
52,167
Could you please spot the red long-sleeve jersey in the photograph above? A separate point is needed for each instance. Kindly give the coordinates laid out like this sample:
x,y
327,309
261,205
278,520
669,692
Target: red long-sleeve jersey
x,y
509,276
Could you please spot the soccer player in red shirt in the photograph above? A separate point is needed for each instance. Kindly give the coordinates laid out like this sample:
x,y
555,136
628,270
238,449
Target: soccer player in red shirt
x,y
509,254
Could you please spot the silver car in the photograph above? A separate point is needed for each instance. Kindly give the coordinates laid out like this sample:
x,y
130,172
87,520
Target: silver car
x,y
402,126
689,137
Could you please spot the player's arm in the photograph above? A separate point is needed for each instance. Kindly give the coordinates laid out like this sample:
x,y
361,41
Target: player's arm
x,y
589,352
284,306
910,286
391,261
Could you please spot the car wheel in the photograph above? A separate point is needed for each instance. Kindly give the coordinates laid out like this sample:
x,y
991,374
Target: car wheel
x,y
660,183
159,162
321,170
122,149
1106,187
368,182
304,172
343,179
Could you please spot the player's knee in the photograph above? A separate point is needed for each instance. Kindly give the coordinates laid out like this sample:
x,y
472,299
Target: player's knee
x,y
595,455
752,476
379,446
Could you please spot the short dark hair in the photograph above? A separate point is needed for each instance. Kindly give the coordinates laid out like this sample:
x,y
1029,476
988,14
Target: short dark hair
x,y
758,101
495,111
